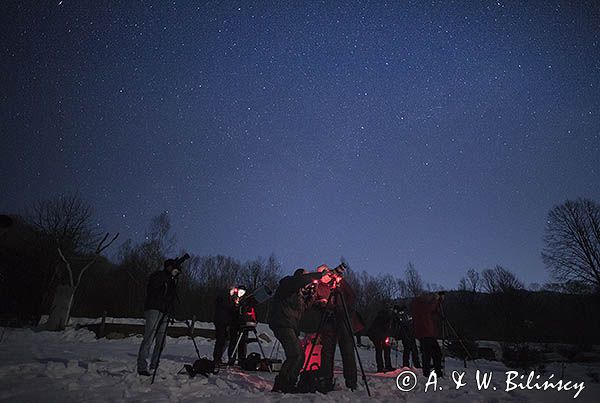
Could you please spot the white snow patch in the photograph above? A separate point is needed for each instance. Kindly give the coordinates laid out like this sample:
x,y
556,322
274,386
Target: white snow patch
x,y
74,366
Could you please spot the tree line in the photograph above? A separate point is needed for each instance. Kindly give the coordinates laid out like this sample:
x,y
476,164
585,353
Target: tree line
x,y
52,255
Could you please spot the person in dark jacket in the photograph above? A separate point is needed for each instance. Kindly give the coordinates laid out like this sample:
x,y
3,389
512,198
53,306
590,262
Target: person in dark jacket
x,y
287,306
426,310
226,324
159,299
335,331
402,330
237,327
379,333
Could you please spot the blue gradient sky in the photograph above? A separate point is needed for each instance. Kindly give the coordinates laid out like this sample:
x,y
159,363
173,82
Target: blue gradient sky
x,y
439,133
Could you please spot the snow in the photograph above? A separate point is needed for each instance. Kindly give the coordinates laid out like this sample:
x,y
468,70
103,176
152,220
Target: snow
x,y
75,366
77,322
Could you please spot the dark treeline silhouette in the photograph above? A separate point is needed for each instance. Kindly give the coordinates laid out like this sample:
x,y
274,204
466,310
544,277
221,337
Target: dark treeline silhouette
x,y
492,304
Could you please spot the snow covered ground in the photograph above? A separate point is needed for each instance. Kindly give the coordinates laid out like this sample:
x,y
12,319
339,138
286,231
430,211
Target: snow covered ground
x,y
74,366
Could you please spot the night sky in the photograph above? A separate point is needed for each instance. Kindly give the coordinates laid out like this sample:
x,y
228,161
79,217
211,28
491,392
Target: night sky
x,y
439,133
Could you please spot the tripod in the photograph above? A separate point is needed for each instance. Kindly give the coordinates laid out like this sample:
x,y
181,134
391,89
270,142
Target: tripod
x,y
275,349
165,315
446,323
398,348
347,323
244,330
191,326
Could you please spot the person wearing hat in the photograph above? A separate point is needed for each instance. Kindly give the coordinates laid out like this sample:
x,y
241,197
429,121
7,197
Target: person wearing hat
x,y
159,298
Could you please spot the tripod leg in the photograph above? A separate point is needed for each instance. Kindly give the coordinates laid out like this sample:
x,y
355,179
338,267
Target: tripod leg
x,y
235,350
162,343
275,349
262,352
349,325
196,347
467,354
443,344
192,337
319,329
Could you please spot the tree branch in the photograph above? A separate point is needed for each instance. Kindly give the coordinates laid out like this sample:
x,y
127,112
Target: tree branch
x,y
64,259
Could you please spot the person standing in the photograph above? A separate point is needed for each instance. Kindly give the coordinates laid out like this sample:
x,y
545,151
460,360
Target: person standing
x,y
237,327
287,306
402,330
159,300
224,320
379,333
426,310
336,330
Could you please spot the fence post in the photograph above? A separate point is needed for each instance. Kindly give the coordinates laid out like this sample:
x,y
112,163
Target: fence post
x,y
192,327
102,325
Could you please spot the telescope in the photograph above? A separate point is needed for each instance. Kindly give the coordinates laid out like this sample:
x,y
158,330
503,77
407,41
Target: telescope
x,y
178,261
260,295
247,303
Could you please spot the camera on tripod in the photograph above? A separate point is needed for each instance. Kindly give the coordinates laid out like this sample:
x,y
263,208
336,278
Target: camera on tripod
x,y
178,261
176,264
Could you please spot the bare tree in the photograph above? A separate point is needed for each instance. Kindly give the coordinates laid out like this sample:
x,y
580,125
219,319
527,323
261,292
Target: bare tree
x,y
257,273
498,280
272,272
471,282
138,260
402,288
572,242
387,287
63,297
413,280
434,287
252,273
219,272
61,224
159,241
65,221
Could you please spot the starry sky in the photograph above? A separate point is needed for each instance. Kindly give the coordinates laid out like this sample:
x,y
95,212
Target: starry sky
x,y
439,133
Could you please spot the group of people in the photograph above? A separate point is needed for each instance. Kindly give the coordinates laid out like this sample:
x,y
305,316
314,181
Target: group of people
x,y
396,323
323,291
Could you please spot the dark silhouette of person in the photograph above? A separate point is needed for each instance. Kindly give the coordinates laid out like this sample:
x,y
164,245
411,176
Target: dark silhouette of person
x,y
402,330
379,333
426,310
159,298
226,320
287,306
335,331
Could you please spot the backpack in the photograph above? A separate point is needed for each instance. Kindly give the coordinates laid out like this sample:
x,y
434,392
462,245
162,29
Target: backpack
x,y
264,365
202,366
307,383
251,363
311,382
